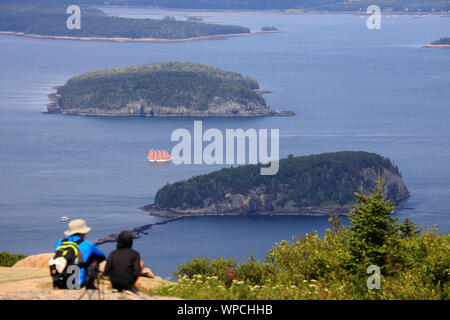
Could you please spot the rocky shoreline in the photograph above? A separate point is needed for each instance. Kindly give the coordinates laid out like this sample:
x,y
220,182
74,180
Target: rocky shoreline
x,y
118,39
137,109
135,232
153,210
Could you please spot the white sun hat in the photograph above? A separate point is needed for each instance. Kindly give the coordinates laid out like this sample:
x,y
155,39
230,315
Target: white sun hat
x,y
77,226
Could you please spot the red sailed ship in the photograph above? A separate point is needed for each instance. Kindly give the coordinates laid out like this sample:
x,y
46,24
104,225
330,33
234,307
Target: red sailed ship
x,y
158,156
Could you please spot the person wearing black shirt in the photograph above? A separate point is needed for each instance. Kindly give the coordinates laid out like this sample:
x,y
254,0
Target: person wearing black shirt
x,y
124,265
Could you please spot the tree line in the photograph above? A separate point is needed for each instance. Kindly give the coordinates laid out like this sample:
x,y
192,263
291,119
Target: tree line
x,y
320,5
50,20
442,41
329,178
171,84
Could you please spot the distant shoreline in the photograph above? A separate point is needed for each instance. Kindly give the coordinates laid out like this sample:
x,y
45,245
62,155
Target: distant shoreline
x,y
271,11
439,46
119,39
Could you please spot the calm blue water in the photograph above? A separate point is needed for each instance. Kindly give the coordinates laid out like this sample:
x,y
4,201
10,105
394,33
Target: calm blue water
x,y
352,89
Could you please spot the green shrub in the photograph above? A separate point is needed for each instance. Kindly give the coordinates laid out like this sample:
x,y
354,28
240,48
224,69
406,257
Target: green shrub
x,y
9,259
221,268
414,264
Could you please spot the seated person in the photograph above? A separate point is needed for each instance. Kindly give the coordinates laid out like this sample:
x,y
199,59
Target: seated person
x,y
124,265
75,250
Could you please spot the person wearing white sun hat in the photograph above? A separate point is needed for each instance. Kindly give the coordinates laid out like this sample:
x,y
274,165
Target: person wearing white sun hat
x,y
87,258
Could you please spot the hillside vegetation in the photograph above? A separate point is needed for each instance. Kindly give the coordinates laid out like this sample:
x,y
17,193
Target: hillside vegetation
x,y
442,41
162,89
328,179
412,263
8,259
49,19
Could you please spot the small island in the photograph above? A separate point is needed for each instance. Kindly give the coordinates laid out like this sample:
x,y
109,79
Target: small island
x,y
169,89
323,184
48,20
441,43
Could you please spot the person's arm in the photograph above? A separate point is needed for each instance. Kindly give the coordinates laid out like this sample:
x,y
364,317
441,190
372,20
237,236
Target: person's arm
x,y
91,252
109,265
99,255
137,266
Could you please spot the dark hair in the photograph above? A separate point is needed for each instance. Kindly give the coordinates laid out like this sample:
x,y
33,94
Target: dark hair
x,y
125,240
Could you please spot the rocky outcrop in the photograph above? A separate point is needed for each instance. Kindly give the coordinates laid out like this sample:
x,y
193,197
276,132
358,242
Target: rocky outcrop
x,y
34,261
217,108
394,186
27,283
41,261
223,209
135,232
29,279
256,202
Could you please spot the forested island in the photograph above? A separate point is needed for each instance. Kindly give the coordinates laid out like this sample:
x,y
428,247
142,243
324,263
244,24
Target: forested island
x,y
162,90
441,43
310,5
48,20
322,184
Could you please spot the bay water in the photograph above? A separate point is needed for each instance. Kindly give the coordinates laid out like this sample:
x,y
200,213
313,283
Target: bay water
x,y
351,88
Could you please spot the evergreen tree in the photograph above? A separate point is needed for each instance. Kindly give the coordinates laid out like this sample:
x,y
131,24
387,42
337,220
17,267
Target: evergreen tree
x,y
373,230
